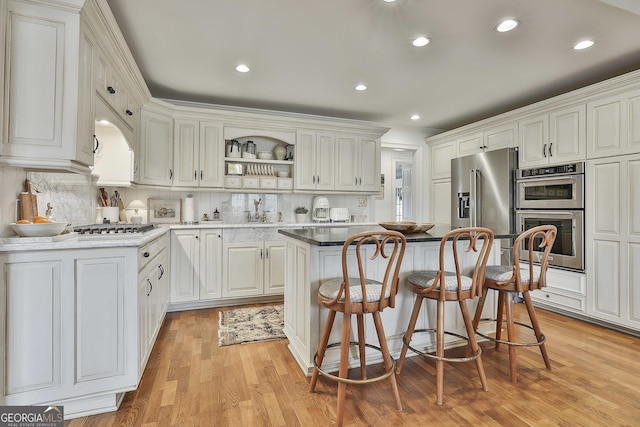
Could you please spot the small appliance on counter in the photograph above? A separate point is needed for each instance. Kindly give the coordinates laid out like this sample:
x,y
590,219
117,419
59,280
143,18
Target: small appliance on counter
x,y
320,211
339,214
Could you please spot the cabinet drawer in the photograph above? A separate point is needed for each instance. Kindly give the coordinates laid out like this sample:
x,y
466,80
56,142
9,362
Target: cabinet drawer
x,y
149,251
269,183
570,302
233,181
285,183
250,182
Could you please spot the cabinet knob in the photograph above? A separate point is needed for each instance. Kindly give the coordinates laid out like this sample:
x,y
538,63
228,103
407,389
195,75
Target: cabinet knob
x,y
197,237
129,112
111,90
146,254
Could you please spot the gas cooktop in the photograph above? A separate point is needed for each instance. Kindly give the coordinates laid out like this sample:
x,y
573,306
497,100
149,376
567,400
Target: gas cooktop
x,y
113,229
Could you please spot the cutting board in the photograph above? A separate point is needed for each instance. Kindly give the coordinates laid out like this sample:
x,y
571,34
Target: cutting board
x,y
28,202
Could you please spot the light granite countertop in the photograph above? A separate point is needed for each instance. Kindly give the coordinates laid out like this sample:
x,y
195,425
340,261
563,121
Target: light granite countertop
x,y
76,241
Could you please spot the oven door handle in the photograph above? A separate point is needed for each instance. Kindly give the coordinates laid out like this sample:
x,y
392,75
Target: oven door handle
x,y
473,193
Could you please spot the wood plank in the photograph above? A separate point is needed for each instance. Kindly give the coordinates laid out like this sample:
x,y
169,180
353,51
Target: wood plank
x,y
190,380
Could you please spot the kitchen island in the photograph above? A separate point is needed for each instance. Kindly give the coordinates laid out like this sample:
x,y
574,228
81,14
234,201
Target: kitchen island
x,y
314,255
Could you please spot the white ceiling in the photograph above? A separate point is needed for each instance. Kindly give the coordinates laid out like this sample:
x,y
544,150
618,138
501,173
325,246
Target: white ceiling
x,y
306,56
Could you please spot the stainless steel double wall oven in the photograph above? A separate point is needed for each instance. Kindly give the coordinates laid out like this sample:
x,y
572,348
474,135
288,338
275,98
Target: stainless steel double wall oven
x,y
555,195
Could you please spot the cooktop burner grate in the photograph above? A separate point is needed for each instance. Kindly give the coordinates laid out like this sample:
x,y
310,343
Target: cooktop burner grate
x,y
113,228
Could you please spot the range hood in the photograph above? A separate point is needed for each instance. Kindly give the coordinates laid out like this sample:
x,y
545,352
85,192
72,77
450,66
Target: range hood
x,y
113,157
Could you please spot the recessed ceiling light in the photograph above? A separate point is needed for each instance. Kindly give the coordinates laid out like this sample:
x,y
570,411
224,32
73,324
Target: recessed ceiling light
x,y
421,41
242,68
361,87
416,117
507,25
583,44
389,1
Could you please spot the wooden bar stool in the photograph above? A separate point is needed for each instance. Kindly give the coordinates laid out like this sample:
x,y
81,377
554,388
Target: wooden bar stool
x,y
356,294
511,280
442,285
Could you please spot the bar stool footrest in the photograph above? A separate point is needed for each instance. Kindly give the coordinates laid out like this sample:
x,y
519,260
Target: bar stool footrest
x,y
435,357
543,338
385,375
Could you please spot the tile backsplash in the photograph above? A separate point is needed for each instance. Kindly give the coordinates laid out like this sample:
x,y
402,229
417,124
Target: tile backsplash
x,y
74,198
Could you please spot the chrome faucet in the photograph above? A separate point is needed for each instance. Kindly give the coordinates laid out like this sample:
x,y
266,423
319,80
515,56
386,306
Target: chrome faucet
x,y
257,203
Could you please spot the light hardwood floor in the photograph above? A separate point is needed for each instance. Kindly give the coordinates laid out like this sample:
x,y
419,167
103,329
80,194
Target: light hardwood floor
x,y
190,381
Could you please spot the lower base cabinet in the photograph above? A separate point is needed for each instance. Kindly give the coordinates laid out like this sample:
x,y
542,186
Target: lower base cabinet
x,y
565,290
253,269
66,332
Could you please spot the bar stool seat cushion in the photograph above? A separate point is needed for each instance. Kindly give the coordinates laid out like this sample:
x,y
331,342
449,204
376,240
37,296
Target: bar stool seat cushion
x,y
331,287
426,278
500,273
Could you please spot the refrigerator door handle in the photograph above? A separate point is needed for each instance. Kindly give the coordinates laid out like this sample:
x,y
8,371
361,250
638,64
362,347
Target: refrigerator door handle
x,y
473,205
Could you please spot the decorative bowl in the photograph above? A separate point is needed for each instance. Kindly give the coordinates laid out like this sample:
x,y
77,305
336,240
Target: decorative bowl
x,y
48,229
265,155
407,227
283,174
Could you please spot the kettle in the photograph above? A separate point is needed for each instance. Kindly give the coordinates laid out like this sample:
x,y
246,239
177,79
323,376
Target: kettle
x,y
250,147
233,148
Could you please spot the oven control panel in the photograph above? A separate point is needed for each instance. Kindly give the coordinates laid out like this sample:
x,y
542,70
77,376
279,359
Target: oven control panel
x,y
568,169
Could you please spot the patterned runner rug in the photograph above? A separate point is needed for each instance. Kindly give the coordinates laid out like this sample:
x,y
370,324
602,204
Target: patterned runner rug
x,y
251,324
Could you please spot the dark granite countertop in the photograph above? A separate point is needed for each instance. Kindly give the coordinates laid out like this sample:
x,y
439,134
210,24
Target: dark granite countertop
x,y
336,236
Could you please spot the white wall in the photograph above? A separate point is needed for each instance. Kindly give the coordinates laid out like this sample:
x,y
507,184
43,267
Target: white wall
x,y
11,185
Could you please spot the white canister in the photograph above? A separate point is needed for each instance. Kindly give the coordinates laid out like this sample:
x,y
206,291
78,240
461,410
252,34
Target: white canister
x,y
188,215
111,213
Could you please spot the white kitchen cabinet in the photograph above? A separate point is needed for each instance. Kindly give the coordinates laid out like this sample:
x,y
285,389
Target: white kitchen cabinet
x,y
440,201
43,116
153,295
156,149
613,240
553,138
198,154
357,163
441,155
494,138
67,326
196,257
614,125
253,268
315,160
565,290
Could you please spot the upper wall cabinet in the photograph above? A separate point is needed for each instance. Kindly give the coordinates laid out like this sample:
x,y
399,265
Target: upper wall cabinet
x,y
553,138
113,89
315,160
156,149
441,155
490,139
43,69
358,163
614,125
198,154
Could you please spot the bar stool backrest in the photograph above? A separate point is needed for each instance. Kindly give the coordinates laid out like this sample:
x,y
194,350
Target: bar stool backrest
x,y
537,263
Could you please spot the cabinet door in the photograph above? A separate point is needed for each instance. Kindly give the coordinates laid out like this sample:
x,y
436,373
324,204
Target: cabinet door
x,y
470,144
33,353
211,264
614,125
347,162
211,173
274,268
186,153
42,82
156,149
501,137
243,269
441,201
325,161
567,129
306,160
144,288
100,317
185,265
369,165
534,134
441,155
86,98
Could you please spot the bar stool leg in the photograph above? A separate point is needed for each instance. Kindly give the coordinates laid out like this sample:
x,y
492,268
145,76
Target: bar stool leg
x,y
322,349
412,325
536,327
388,363
499,316
361,346
479,307
440,353
344,366
473,343
511,334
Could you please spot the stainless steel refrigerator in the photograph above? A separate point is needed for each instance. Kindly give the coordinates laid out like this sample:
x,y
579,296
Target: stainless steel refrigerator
x,y
483,190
